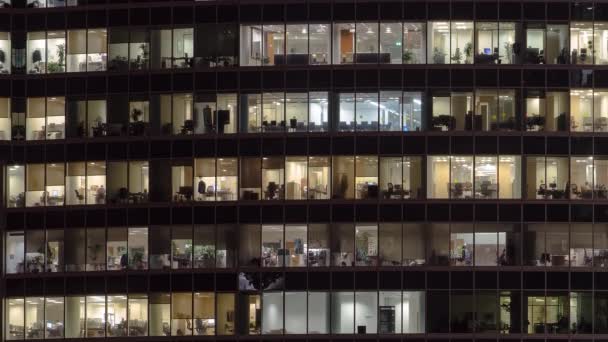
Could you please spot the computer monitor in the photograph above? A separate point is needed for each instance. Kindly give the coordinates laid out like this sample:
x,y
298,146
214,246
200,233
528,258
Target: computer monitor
x,y
487,51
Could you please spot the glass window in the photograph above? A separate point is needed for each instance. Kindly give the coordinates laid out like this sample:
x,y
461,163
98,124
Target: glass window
x,y
486,116
439,42
226,246
15,312
412,111
600,110
161,54
391,175
318,248
366,244
318,312
581,245
34,251
53,317
581,178
295,312
509,177
15,252
486,245
295,245
346,114
581,43
250,180
441,119
160,248
160,313
273,178
96,248
486,177
366,312
557,111
36,52
273,112
414,43
342,245
139,118
54,250
251,45
461,178
600,35
5,111
227,179
55,185
251,113
138,315
272,313
461,305
204,179
438,177
319,43
461,43
414,312
600,245
391,45
75,182
556,51
34,195
139,49
75,317
249,245
226,113
117,316
343,177
600,175
390,107
15,186
96,181
366,107
35,121
138,248
344,43
296,173
204,246
181,247
535,43
225,314
366,177
438,244
77,51
389,312
486,42
181,314
96,316
509,116
319,178
581,311
119,50
183,49
117,249
342,312
509,43
181,181
296,112
5,53
204,313
535,106
296,45
55,51
318,112
273,251
96,49
366,49
75,249
461,245
547,178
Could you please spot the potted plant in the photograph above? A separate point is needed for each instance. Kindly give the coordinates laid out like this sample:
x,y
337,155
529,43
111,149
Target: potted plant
x,y
468,52
407,56
457,56
438,56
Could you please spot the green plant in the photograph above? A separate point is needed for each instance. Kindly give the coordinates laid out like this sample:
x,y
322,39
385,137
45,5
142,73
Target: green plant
x,y
54,67
457,56
438,56
61,53
407,56
468,52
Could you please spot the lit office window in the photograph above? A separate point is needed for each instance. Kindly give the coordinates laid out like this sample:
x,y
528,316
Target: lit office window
x,y
54,317
461,43
582,49
414,43
366,49
547,178
344,43
5,53
439,42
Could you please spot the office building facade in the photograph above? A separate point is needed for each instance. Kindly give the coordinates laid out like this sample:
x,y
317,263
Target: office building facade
x,y
304,170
